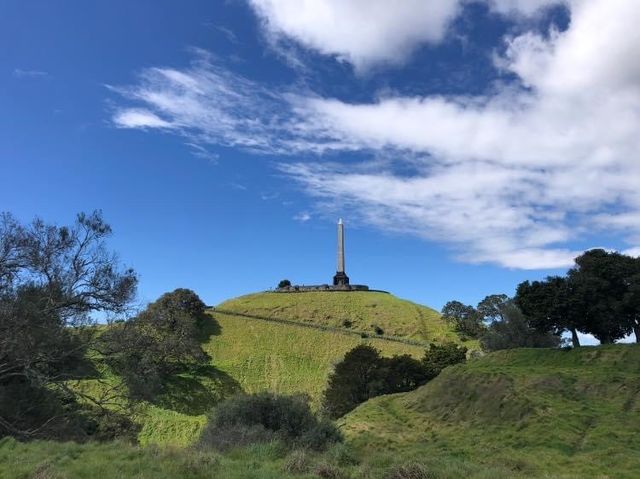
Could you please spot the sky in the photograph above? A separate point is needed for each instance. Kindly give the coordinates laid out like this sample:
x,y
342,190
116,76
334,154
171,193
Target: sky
x,y
468,144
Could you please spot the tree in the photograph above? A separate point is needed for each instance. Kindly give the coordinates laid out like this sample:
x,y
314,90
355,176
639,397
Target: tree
x,y
52,280
465,319
162,340
439,356
598,284
514,331
630,305
401,374
354,380
364,374
285,283
491,307
550,307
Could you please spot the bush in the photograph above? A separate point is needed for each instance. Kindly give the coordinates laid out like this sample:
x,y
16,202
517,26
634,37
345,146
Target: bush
x,y
262,417
412,470
346,323
285,283
364,374
297,462
329,471
439,356
379,331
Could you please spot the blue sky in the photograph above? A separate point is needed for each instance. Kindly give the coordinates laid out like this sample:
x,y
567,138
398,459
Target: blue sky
x,y
469,145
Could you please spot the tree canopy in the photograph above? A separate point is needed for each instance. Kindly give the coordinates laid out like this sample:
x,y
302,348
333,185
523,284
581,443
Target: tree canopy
x,y
52,281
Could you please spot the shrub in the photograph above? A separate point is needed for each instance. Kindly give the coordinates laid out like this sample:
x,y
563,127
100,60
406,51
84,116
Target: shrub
x,y
364,374
229,437
329,471
285,283
346,323
297,462
439,356
412,470
248,419
342,455
379,331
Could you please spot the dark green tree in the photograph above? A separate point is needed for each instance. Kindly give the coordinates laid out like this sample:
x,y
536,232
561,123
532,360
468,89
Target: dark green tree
x,y
285,283
514,331
491,307
598,285
354,380
400,374
630,305
466,320
162,340
550,306
439,356
52,280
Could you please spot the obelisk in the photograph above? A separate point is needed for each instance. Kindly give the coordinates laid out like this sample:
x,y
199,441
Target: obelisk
x,y
341,277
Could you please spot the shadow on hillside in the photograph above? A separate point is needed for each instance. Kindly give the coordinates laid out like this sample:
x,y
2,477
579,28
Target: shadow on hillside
x,y
209,326
195,392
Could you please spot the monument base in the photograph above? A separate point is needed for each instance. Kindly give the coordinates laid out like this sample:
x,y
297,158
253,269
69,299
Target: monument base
x,y
323,287
340,279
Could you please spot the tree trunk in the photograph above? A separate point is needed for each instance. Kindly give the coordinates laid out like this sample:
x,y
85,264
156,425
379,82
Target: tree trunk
x,y
575,338
636,330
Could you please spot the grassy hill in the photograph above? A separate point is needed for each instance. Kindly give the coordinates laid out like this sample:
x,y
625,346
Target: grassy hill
x,y
285,343
362,312
550,413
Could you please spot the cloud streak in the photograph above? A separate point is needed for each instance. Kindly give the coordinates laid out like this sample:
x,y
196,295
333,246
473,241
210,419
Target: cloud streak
x,y
512,177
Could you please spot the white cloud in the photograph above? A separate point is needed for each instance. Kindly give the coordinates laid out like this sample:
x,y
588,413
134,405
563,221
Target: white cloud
x,y
545,165
139,118
370,32
303,216
361,32
511,177
20,73
632,252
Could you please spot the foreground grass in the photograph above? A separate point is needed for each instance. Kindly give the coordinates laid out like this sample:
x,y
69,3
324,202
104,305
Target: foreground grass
x,y
50,460
542,413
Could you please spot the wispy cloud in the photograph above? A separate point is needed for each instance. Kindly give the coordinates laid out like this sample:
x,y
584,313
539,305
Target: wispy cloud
x,y
303,216
20,73
511,177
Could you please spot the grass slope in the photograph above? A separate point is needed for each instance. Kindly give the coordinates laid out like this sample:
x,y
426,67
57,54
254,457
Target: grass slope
x,y
541,413
285,358
285,343
364,310
248,355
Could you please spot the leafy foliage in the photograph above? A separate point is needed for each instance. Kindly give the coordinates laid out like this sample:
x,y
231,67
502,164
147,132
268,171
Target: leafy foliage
x,y
162,340
52,279
285,283
514,331
439,356
466,320
262,417
364,374
600,296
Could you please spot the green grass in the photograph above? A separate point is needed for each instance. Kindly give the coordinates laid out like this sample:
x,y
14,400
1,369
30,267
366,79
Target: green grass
x,y
540,413
51,460
282,353
364,310
251,356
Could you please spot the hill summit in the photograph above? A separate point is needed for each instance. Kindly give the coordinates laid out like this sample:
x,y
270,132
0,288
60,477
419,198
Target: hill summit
x,y
366,313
